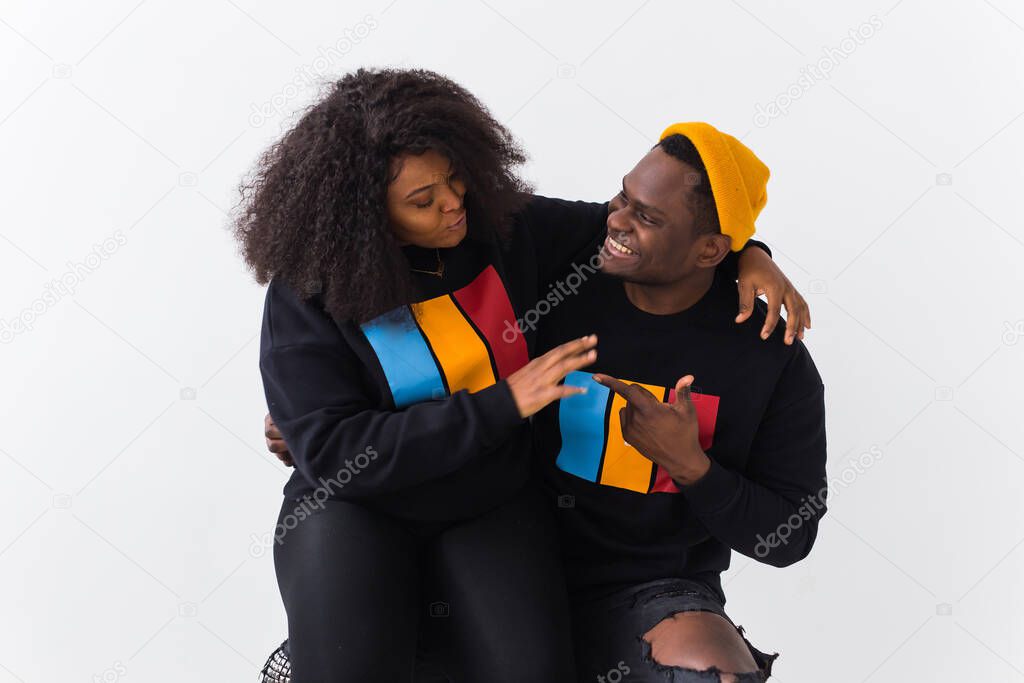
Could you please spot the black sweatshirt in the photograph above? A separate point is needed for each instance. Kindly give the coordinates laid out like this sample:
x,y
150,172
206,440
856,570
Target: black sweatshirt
x,y
760,407
415,417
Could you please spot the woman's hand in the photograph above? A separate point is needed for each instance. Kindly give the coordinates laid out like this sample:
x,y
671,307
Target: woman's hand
x,y
536,384
275,441
758,274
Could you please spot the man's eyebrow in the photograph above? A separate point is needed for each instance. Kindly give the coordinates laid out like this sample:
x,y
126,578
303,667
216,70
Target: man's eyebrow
x,y
645,207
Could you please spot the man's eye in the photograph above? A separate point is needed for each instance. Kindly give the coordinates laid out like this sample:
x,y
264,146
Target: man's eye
x,y
644,217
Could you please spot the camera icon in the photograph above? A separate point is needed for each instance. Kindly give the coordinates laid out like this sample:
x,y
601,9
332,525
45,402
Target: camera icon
x,y
61,501
188,179
187,393
1012,332
944,609
818,287
944,179
258,546
943,393
61,71
188,610
566,71
439,610
566,501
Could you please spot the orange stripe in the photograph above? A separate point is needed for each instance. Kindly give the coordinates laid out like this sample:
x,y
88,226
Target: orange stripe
x,y
459,349
624,466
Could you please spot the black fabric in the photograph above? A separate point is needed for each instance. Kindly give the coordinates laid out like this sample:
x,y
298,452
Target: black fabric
x,y
482,600
767,447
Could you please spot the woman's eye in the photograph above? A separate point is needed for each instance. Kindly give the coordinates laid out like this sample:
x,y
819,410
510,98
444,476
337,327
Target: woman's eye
x,y
424,206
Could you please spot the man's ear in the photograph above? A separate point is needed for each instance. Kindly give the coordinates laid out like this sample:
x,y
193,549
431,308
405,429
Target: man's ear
x,y
713,250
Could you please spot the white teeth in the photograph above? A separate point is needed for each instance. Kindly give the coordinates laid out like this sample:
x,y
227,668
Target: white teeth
x,y
620,247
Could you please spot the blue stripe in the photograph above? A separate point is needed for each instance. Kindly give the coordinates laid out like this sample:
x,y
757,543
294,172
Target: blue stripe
x,y
581,419
405,357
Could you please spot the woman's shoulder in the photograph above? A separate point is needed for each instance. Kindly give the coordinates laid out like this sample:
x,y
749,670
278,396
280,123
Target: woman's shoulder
x,y
291,317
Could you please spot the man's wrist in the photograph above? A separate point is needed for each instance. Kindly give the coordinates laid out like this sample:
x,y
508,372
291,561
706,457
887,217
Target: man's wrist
x,y
693,470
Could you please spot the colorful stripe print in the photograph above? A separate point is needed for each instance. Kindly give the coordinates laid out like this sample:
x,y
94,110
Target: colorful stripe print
x,y
592,443
450,343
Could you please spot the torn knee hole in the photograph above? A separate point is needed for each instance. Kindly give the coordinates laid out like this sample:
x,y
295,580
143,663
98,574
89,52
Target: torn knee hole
x,y
688,641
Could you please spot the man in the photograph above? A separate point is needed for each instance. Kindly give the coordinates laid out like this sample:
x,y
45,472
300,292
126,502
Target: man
x,y
694,438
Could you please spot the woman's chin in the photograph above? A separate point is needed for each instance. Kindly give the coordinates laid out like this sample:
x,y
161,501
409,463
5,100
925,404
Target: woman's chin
x,y
452,236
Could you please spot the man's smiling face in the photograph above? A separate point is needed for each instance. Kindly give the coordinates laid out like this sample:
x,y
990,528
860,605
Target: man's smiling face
x,y
652,227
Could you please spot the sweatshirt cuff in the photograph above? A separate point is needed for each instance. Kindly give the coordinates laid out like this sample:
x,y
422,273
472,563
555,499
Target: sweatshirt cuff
x,y
498,411
712,492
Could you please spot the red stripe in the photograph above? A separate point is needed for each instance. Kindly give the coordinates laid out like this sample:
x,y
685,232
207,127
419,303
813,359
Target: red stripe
x,y
706,406
663,483
486,303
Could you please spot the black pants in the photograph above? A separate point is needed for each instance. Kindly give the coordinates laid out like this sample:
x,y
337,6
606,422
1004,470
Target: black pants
x,y
371,598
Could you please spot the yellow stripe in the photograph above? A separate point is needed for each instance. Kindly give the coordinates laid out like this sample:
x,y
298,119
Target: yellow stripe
x,y
456,344
624,466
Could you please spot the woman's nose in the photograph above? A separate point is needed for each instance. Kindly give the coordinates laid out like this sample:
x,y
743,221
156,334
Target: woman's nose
x,y
450,199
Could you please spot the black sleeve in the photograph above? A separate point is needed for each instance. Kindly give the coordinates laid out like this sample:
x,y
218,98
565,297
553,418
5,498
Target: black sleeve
x,y
317,395
564,232
770,512
729,268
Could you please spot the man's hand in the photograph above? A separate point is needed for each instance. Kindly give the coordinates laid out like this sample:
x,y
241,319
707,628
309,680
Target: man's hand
x,y
666,433
758,274
275,442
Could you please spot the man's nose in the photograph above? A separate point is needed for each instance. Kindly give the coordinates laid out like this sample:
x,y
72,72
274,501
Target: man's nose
x,y
618,222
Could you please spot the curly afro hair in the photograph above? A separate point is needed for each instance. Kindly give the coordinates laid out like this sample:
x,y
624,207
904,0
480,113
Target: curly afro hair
x,y
313,212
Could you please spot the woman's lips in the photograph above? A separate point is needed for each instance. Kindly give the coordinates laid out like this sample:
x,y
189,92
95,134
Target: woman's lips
x,y
459,223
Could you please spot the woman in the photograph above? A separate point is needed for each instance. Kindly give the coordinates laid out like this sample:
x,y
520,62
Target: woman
x,y
400,248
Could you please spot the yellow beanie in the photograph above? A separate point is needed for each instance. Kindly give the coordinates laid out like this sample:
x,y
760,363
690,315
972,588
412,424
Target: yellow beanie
x,y
738,178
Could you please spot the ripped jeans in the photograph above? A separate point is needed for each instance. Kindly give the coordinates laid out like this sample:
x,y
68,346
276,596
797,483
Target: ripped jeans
x,y
610,647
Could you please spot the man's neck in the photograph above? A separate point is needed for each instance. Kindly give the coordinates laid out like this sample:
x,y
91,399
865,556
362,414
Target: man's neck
x,y
673,297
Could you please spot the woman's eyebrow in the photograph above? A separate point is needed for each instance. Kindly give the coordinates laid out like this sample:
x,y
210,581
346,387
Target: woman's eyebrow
x,y
419,189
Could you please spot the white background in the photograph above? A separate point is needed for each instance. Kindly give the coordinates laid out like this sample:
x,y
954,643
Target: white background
x,y
132,545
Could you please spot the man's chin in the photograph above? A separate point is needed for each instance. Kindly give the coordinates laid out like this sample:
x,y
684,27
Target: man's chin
x,y
618,267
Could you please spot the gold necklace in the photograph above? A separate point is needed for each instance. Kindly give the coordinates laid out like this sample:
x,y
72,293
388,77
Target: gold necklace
x,y
438,272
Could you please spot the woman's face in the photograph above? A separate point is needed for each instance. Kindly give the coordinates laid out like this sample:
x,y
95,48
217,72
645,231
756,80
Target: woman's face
x,y
425,205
